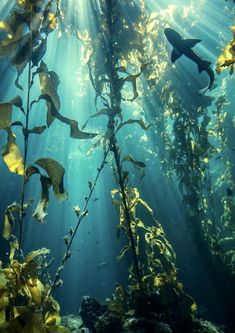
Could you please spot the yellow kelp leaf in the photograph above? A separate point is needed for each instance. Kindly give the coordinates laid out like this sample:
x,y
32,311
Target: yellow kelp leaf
x,y
40,211
13,247
227,57
12,155
55,172
148,237
34,254
36,290
18,51
159,281
49,82
132,197
6,111
5,115
9,217
5,27
12,158
194,308
123,251
54,305
146,206
140,224
52,318
9,220
114,193
8,225
53,21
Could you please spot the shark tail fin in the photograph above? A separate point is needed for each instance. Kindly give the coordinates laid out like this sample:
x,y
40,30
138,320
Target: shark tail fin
x,y
203,65
191,42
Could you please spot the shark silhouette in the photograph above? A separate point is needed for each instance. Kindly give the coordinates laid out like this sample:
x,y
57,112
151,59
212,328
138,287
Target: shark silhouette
x,y
183,46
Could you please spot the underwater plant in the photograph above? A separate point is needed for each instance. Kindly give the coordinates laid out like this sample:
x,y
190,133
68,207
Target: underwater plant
x,y
25,305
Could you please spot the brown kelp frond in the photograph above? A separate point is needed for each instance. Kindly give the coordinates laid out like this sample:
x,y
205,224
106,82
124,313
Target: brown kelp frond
x,y
12,155
55,173
49,82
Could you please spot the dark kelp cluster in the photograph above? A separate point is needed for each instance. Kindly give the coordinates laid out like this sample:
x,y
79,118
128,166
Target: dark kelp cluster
x,y
118,53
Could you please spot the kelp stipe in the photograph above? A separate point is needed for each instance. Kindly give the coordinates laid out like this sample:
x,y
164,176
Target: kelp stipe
x,y
156,271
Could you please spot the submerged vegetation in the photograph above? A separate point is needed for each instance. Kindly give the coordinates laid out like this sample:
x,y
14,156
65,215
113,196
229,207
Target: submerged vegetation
x,y
128,69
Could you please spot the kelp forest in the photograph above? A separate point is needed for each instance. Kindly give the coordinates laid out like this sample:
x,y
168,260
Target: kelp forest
x,y
117,188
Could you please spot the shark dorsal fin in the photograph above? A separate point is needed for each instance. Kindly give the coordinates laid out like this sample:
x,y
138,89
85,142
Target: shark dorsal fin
x,y
191,42
175,55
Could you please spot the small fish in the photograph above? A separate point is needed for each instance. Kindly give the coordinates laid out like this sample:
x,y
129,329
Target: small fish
x,y
183,46
102,264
